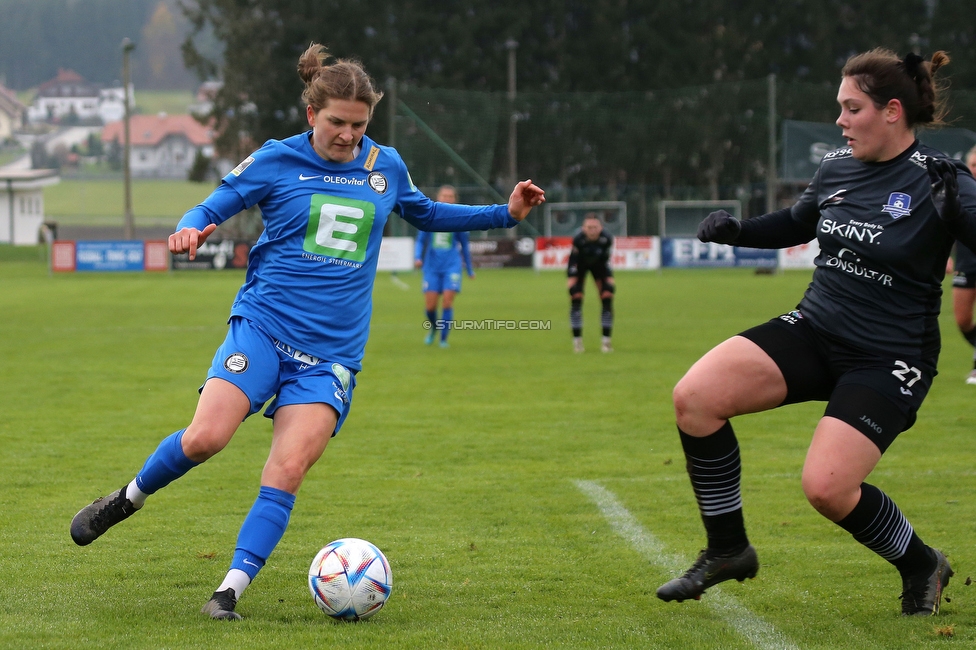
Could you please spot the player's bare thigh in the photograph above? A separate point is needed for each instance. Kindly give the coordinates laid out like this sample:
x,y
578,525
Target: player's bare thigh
x,y
301,433
963,300
221,409
733,378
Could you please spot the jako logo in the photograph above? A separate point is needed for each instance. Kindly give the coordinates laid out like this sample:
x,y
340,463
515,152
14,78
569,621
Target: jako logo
x,y
866,420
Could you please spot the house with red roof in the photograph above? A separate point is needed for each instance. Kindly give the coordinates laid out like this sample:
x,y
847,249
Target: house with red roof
x,y
162,146
69,96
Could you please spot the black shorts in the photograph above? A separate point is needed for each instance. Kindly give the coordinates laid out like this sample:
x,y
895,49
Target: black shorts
x,y
877,395
600,272
963,280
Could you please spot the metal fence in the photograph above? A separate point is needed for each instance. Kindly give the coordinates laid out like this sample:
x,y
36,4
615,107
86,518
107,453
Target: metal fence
x,y
696,143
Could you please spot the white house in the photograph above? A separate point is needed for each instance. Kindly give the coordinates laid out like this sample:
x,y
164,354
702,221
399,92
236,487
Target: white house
x,y
11,113
162,146
22,204
69,93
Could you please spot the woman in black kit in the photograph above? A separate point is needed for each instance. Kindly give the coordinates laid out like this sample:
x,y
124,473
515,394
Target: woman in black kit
x,y
864,338
964,284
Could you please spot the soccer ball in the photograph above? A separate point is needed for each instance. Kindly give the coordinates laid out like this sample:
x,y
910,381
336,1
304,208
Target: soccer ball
x,y
350,579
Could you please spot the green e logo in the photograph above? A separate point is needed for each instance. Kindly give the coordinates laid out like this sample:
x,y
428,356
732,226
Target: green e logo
x,y
339,227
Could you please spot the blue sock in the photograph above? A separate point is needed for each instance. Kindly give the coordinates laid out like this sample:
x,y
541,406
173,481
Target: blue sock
x,y
448,316
432,317
262,529
165,465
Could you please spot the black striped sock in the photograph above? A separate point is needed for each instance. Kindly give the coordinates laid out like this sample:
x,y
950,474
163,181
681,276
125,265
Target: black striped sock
x,y
576,316
606,316
715,470
877,523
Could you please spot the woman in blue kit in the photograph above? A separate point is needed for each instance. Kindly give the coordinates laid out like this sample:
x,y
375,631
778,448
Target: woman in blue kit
x,y
439,255
299,324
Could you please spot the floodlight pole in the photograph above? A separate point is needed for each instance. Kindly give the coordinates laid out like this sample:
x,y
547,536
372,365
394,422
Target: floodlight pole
x,y
127,47
511,44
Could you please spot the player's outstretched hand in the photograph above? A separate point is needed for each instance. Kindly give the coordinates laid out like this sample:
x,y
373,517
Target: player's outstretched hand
x,y
945,188
719,227
525,196
187,240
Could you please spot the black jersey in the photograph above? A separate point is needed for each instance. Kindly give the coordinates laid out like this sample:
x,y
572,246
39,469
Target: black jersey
x,y
591,254
883,251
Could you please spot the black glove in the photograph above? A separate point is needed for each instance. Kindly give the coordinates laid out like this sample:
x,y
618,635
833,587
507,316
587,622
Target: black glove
x,y
720,227
945,189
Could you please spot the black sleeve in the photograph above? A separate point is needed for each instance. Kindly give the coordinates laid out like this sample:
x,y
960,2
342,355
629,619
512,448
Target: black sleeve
x,y
965,228
775,230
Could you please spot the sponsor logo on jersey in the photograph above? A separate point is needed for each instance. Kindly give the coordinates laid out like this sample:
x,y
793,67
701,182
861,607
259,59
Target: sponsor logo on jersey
x,y
919,159
344,180
338,230
237,171
377,182
853,230
853,267
843,152
342,374
898,205
374,153
335,180
236,363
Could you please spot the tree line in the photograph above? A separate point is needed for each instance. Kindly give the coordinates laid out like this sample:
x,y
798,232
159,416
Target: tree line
x,y
37,37
611,93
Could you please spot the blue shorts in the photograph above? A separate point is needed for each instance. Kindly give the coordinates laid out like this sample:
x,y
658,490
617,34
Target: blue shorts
x,y
440,282
264,368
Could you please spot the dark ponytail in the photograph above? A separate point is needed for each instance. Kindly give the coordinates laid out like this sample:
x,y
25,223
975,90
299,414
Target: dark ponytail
x,y
882,76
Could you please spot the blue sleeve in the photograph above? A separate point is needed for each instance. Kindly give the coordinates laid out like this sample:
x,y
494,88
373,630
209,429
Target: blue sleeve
x,y
466,251
255,177
419,211
422,239
222,204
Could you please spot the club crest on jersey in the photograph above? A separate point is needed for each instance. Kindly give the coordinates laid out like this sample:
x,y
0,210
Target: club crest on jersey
x,y
236,363
898,205
377,182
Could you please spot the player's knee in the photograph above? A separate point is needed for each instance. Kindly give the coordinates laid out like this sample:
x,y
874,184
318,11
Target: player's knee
x,y
825,494
687,402
201,442
576,291
607,290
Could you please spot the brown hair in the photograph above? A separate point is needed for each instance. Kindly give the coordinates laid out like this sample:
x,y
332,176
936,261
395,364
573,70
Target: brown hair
x,y
882,76
342,79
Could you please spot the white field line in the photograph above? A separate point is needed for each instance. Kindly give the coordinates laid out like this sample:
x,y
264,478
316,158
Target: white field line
x,y
759,632
395,279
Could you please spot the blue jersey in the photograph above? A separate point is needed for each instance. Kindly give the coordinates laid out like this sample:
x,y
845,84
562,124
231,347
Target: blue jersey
x,y
310,276
439,252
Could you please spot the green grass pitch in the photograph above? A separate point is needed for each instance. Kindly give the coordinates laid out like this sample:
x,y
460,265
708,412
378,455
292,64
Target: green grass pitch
x,y
466,466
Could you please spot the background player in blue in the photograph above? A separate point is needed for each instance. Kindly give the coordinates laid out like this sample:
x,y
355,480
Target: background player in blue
x,y
964,284
299,324
437,253
864,338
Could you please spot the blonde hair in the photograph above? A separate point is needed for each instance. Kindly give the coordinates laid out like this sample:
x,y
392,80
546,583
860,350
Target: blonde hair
x,y
341,79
